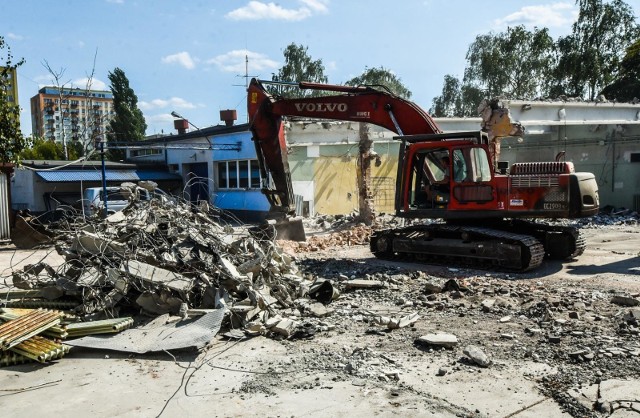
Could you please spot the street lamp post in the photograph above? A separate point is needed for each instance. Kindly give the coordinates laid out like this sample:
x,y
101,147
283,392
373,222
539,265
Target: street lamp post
x,y
104,178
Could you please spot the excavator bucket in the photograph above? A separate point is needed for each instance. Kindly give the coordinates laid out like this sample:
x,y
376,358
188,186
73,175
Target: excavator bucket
x,y
290,229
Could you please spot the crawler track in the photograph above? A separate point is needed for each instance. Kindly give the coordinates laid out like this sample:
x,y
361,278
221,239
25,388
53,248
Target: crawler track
x,y
460,245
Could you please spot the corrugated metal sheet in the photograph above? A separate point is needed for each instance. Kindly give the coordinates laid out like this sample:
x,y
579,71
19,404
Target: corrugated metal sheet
x,y
67,176
5,232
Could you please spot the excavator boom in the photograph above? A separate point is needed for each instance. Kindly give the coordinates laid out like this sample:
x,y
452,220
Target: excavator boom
x,y
357,104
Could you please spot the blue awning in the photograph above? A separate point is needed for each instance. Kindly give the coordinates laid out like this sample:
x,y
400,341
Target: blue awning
x,y
68,176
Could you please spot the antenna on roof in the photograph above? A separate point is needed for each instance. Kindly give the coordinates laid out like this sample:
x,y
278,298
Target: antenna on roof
x,y
246,75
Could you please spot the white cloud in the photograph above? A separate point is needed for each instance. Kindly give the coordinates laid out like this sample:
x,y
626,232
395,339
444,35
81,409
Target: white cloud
x,y
116,1
234,61
554,15
15,36
258,10
173,103
181,58
159,119
83,83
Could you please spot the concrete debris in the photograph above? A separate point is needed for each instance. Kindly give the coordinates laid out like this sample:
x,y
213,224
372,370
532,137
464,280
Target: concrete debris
x,y
440,339
363,284
353,235
401,322
477,356
624,300
285,327
156,258
160,336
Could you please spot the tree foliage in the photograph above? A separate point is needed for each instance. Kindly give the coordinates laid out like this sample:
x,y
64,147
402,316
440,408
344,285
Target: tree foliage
x,y
522,64
43,149
514,63
457,99
381,77
12,142
128,124
627,87
298,66
589,58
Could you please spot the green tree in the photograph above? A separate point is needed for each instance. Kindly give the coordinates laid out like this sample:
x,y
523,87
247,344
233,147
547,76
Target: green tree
x,y
298,66
128,125
514,63
457,99
449,102
589,58
12,142
627,87
381,77
43,149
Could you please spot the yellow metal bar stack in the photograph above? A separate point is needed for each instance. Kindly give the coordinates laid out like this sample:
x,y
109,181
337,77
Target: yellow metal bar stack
x,y
16,331
81,329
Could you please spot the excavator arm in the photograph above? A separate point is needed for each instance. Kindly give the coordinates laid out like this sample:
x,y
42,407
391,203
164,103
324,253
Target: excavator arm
x,y
357,104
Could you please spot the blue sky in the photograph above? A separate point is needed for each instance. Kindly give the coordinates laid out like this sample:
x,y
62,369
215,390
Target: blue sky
x,y
189,56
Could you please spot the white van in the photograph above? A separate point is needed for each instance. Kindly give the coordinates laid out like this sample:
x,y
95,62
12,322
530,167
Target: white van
x,y
93,200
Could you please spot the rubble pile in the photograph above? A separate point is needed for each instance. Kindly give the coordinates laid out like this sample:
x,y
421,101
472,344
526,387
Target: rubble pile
x,y
165,257
356,235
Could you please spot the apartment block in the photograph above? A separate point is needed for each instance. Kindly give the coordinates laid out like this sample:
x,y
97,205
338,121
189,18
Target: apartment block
x,y
10,84
71,114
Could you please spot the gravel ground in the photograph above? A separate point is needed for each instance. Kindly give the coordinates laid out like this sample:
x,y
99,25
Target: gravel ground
x,y
552,337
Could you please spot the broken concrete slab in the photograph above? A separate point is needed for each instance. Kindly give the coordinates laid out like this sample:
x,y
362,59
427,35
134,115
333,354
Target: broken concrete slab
x,y
477,356
286,327
439,339
363,284
152,275
615,390
90,243
625,300
184,334
319,310
404,321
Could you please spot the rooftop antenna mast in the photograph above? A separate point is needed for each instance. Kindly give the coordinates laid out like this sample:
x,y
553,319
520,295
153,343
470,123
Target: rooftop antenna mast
x,y
246,76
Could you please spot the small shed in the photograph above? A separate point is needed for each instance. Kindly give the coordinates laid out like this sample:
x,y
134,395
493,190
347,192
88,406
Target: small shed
x,y
41,186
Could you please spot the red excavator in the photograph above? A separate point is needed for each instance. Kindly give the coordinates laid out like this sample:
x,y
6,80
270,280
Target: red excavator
x,y
488,208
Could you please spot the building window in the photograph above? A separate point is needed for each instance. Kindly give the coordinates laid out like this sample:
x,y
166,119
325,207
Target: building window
x,y
635,157
144,152
242,174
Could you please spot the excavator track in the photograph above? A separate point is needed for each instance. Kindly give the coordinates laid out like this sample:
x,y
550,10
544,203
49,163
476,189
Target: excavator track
x,y
560,242
460,245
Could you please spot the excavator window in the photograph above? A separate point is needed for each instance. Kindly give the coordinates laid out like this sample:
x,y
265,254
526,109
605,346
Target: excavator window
x,y
430,182
470,165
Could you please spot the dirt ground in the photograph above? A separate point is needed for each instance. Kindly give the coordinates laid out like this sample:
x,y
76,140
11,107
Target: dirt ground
x,y
558,341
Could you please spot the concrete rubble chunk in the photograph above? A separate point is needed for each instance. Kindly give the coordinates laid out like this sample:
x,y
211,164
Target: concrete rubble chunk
x,y
404,321
363,284
477,356
286,327
439,340
152,275
95,244
319,310
612,390
624,300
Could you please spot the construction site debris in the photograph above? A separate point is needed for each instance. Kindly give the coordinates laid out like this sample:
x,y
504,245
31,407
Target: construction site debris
x,y
154,258
440,339
160,335
477,356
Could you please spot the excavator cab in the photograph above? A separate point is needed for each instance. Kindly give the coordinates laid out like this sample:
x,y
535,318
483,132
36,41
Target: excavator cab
x,y
442,175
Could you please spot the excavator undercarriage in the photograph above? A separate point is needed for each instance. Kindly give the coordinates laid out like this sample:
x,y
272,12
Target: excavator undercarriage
x,y
515,245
